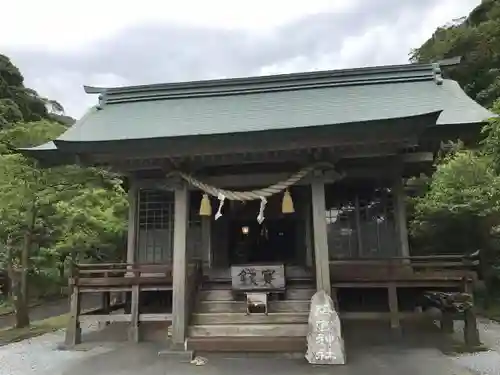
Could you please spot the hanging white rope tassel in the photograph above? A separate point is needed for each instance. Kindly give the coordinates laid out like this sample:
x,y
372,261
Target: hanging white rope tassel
x,y
260,217
221,198
245,196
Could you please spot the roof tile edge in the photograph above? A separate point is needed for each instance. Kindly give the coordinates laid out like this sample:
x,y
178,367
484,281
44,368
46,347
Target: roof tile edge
x,y
278,82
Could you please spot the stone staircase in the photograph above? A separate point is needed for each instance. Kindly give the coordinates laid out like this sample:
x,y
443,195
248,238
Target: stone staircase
x,y
219,322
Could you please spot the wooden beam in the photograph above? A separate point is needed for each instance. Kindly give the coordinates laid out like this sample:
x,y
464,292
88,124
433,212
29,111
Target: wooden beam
x,y
105,318
179,323
302,156
375,315
241,181
163,317
155,317
418,157
390,131
320,235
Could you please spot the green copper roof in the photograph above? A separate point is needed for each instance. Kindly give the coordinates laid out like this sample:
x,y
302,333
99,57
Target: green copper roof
x,y
277,102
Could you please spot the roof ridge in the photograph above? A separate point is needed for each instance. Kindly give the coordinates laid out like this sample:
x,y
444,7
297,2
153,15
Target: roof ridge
x,y
181,94
266,78
271,83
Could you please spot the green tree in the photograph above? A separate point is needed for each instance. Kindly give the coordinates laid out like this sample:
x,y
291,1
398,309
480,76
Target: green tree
x,y
475,38
47,214
18,103
461,206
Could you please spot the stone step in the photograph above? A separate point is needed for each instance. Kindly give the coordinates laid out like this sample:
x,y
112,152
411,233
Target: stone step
x,y
242,318
239,306
219,294
269,330
291,344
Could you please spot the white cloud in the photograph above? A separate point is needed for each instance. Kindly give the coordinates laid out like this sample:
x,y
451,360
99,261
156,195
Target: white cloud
x,y
62,24
61,45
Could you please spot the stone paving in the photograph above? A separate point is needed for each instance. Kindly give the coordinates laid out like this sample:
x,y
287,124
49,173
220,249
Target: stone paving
x,y
39,356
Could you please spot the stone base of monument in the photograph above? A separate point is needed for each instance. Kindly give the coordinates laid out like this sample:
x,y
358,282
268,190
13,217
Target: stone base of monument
x,y
325,345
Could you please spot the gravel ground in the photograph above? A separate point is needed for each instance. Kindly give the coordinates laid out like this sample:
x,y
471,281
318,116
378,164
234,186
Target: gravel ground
x,y
40,356
484,363
50,309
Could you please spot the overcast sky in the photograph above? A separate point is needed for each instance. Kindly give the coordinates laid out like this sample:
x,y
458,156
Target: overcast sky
x,y
60,45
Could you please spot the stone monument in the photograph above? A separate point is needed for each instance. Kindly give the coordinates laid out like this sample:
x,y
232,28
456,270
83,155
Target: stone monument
x,y
325,345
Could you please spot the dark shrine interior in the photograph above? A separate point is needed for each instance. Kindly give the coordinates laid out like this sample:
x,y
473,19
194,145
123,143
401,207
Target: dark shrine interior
x,y
251,242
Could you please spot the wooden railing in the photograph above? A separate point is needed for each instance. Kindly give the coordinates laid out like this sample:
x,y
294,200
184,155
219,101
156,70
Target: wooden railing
x,y
455,272
120,276
125,277
432,267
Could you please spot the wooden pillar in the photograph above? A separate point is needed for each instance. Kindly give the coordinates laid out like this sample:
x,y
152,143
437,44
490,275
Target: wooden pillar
x,y
471,333
206,241
134,329
320,235
106,307
133,193
132,299
74,331
400,217
393,306
308,234
179,323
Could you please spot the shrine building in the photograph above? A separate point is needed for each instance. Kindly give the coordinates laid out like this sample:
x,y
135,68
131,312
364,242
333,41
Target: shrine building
x,y
260,191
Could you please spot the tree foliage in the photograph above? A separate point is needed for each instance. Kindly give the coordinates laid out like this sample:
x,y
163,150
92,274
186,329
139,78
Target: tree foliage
x,y
48,215
19,103
461,206
459,210
476,39
75,208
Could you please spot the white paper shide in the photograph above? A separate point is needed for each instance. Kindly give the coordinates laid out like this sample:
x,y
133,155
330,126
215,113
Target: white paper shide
x,y
325,345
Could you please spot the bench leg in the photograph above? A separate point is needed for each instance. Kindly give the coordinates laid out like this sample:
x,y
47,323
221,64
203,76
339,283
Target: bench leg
x,y
447,322
394,307
106,305
471,333
134,311
74,332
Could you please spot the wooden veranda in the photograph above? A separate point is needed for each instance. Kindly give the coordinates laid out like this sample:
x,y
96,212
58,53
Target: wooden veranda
x,y
423,273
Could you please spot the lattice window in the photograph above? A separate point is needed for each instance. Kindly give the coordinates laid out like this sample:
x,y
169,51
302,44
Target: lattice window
x,y
341,227
360,221
155,224
378,234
